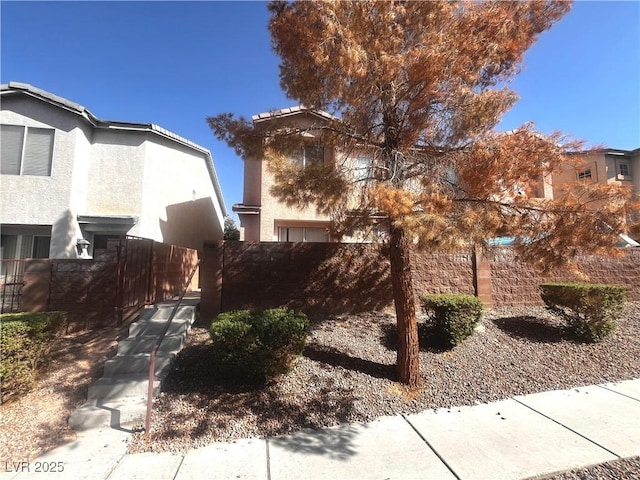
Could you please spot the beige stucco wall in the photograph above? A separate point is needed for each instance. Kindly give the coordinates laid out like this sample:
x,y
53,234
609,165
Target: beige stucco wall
x,y
116,173
275,213
603,170
108,172
635,170
47,200
177,195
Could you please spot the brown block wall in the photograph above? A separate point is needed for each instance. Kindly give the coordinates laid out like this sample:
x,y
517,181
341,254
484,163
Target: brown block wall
x,y
316,278
325,279
319,278
516,283
442,273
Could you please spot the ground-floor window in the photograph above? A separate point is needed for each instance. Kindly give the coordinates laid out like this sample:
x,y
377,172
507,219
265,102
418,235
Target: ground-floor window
x,y
24,246
302,234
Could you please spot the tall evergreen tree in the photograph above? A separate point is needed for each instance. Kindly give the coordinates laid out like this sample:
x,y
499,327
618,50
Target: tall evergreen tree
x,y
420,87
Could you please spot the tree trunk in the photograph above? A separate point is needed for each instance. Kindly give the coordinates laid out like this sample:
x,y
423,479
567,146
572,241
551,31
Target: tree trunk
x,y
408,348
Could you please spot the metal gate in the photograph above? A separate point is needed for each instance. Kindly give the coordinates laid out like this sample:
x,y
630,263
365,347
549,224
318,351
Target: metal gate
x,y
11,283
134,283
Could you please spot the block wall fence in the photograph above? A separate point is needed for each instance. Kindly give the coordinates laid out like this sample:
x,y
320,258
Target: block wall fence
x,y
108,289
333,278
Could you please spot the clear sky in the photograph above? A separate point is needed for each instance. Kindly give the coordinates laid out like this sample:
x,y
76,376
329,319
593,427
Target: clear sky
x,y
175,63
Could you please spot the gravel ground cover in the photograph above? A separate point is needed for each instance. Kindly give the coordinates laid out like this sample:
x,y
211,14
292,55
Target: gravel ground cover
x,y
346,374
626,469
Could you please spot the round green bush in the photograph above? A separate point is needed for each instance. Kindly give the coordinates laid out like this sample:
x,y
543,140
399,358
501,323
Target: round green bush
x,y
252,346
589,310
450,318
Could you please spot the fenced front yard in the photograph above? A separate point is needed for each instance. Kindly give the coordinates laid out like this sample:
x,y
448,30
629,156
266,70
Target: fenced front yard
x,y
108,289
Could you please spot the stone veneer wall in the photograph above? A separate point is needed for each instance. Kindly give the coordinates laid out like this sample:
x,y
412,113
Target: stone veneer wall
x,y
331,278
516,283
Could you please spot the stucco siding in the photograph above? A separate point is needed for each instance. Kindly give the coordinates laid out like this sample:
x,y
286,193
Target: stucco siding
x,y
27,199
273,210
178,196
81,169
116,173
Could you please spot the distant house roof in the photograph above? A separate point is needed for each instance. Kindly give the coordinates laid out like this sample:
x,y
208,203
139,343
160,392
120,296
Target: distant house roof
x,y
13,88
286,112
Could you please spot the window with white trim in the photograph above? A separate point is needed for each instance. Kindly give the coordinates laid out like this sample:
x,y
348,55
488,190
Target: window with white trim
x,y
302,234
308,155
26,150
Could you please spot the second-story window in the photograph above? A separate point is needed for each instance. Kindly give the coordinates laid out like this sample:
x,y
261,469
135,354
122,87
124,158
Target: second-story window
x,y
585,174
363,169
26,150
309,155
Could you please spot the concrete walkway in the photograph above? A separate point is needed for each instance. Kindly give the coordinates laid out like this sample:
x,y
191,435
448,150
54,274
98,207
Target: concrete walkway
x,y
517,438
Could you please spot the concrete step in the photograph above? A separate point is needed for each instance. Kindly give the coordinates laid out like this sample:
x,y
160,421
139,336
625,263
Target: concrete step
x,y
119,397
155,327
124,386
145,343
123,412
184,312
137,363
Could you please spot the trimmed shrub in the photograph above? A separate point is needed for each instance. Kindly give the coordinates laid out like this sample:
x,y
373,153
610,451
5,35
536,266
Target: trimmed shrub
x,y
450,318
589,310
252,346
25,341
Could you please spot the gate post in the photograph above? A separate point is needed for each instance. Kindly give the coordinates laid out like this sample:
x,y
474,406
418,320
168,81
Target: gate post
x,y
211,270
482,278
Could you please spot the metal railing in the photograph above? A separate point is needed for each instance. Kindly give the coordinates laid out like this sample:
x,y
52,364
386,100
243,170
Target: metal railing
x,y
11,283
154,353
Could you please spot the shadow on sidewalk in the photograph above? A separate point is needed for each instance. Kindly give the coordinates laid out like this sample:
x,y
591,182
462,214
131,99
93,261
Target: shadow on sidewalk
x,y
334,443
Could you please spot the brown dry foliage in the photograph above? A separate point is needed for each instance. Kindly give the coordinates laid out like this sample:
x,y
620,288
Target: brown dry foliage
x,y
419,87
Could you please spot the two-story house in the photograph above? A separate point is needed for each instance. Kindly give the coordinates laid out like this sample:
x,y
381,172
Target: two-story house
x,y
262,217
606,165
69,180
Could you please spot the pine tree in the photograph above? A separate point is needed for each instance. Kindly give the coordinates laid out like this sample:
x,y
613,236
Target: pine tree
x,y
420,87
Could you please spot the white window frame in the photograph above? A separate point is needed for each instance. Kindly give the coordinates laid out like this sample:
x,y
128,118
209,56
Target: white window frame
x,y
285,230
24,151
303,160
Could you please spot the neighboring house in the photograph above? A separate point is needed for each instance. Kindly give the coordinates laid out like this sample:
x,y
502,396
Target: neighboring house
x,y
609,166
69,179
262,217
606,165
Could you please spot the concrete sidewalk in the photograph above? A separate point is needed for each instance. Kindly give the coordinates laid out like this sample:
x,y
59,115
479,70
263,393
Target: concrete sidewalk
x,y
517,438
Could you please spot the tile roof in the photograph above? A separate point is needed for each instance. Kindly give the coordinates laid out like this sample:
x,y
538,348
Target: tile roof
x,y
285,112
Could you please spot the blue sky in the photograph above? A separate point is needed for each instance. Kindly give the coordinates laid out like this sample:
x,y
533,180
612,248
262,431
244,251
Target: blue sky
x,y
175,63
